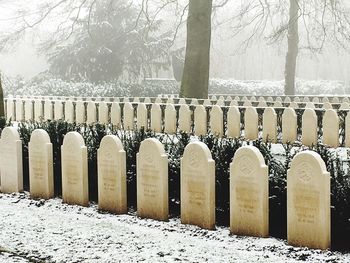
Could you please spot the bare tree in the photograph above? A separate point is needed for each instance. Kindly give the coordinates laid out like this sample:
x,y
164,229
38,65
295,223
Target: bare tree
x,y
308,26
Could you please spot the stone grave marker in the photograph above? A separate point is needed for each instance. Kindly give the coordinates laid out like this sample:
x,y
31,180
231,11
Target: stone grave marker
x,y
156,118
185,118
142,120
152,181
251,124
48,110
331,128
80,112
289,125
111,165
28,110
74,170
128,120
233,122
19,109
41,165
270,125
308,202
11,166
200,120
115,114
217,121
103,112
198,186
309,127
69,111
91,112
58,110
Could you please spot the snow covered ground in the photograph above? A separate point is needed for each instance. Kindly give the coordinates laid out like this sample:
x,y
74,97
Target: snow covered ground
x,y
49,231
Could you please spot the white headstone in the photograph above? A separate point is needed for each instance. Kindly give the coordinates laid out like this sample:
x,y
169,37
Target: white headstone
x,y
185,118
308,202
251,124
91,112
152,181
142,120
233,103
170,119
249,193
217,121
11,169
128,120
289,125
48,110
198,186
331,128
69,111
28,110
79,112
111,165
115,114
41,165
9,109
74,170
309,127
156,118
200,120
103,112
270,125
19,109
233,122
58,110
327,106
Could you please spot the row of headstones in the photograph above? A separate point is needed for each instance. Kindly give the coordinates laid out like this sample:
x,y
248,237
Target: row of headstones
x,y
308,184
286,99
261,102
183,122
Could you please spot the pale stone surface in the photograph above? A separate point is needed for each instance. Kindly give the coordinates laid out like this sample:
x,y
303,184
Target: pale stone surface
x,y
335,100
247,103
111,163
325,99
308,202
170,119
262,104
19,110
58,109
40,165
251,124
221,97
152,181
28,110
237,98
9,109
269,99
69,111
126,99
185,118
48,110
142,120
158,100
252,98
128,120
346,99
228,98
306,99
315,100
207,102
136,100
217,121
194,101
278,104
331,128
91,112
79,112
147,100
74,170
233,103
233,122
200,120
310,105
115,114
198,186
289,125
327,106
220,102
344,106
309,127
156,118
103,112
270,125
249,193
11,169
182,101
294,105
347,130
278,99
296,99
213,97
170,101
260,99
287,100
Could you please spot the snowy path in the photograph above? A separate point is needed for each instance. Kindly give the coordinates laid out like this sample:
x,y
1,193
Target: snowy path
x,y
37,231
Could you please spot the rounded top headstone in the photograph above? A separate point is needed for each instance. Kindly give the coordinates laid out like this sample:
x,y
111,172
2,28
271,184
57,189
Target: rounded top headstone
x,y
74,139
197,153
151,143
111,140
40,136
10,134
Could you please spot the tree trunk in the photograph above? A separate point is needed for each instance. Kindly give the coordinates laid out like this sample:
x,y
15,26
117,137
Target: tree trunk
x,y
195,78
293,48
2,107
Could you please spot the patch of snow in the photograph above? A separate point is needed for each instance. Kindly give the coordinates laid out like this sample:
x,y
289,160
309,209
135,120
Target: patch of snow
x,y
49,231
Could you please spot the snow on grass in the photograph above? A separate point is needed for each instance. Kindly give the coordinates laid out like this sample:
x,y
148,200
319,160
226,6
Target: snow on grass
x,y
49,231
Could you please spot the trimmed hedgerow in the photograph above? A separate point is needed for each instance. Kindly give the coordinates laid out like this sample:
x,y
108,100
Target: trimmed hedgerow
x,y
222,150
